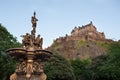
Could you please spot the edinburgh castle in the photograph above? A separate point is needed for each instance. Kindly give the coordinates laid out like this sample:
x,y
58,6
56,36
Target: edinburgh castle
x,y
87,32
83,42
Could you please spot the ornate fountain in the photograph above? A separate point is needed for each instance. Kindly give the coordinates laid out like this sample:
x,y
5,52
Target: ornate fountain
x,y
30,57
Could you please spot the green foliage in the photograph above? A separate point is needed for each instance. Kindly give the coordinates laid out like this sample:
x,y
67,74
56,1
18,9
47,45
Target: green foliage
x,y
103,44
57,68
80,69
7,66
95,67
114,48
112,68
7,40
108,68
79,43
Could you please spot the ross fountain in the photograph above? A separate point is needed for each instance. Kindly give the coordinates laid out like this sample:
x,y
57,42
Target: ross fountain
x,y
30,57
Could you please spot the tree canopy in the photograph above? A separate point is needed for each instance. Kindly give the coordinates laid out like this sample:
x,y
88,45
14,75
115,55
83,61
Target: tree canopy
x,y
58,68
7,40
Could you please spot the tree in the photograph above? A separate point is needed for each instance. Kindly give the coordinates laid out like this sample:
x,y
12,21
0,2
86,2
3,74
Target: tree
x,y
111,69
108,67
58,68
7,40
80,69
7,66
95,66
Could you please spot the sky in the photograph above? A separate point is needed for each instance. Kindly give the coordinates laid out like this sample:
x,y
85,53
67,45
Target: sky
x,y
56,18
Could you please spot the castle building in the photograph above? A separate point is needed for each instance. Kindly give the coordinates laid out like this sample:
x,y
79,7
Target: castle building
x,y
86,32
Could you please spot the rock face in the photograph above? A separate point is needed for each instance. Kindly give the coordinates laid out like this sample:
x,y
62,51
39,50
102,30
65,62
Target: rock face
x,y
84,42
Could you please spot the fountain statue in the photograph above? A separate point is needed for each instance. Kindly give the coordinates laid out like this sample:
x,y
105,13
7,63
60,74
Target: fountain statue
x,y
30,57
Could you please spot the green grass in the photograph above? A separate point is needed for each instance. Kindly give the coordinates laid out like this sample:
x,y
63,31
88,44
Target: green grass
x,y
79,43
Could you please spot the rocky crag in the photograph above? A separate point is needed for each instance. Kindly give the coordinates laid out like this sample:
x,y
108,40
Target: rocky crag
x,y
84,42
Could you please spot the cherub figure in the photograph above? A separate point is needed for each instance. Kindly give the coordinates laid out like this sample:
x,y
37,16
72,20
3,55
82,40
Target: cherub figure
x,y
38,42
25,40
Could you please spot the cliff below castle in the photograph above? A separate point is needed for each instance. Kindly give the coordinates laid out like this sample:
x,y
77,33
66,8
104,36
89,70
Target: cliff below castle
x,y
84,42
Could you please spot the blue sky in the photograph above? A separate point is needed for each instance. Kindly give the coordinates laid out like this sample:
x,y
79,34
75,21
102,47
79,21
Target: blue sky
x,y
59,17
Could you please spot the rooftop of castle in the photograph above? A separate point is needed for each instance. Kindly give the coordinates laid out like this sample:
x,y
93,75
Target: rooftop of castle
x,y
84,26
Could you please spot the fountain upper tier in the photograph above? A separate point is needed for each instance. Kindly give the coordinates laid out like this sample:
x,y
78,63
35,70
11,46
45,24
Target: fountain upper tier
x,y
31,45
